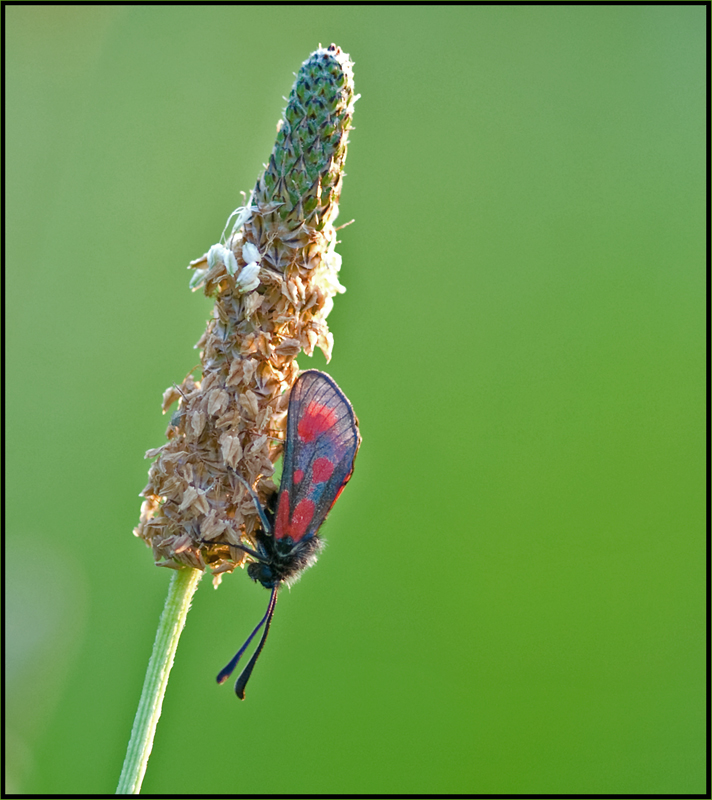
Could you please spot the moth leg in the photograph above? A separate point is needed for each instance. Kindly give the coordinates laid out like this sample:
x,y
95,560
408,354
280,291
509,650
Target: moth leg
x,y
256,500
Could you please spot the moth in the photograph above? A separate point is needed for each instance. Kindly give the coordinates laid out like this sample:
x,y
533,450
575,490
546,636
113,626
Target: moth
x,y
319,452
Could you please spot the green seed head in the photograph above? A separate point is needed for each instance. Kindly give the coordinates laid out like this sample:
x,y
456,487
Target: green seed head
x,y
302,182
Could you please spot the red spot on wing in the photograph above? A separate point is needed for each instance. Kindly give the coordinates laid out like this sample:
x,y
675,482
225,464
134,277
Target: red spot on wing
x,y
303,515
298,524
316,420
298,475
281,523
322,470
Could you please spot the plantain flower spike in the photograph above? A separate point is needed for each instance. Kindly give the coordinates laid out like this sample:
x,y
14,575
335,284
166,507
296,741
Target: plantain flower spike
x,y
273,277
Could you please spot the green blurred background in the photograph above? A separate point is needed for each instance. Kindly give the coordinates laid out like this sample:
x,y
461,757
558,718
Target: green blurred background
x,y
512,600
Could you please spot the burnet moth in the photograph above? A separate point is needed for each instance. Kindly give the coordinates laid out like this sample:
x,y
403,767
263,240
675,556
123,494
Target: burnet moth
x,y
319,452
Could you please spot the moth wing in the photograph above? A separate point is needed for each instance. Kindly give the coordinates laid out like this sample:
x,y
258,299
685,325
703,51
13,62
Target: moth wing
x,y
322,442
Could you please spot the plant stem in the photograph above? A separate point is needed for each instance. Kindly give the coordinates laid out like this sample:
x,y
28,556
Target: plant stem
x,y
180,592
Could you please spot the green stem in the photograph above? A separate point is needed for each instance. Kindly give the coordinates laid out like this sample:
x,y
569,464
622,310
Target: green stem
x,y
180,593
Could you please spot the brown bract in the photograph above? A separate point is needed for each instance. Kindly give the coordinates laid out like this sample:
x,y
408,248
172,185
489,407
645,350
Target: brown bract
x,y
273,281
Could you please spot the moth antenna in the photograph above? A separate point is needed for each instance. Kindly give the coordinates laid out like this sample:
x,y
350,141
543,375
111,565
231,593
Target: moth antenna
x,y
241,682
226,671
256,500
